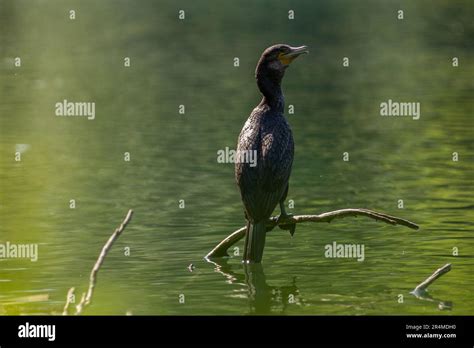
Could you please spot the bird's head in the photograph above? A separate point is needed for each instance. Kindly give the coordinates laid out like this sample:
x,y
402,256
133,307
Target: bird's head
x,y
273,63
276,58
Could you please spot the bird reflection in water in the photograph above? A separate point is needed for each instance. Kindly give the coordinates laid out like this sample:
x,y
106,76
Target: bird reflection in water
x,y
263,298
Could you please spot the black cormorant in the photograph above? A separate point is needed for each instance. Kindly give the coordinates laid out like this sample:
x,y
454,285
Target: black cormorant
x,y
266,133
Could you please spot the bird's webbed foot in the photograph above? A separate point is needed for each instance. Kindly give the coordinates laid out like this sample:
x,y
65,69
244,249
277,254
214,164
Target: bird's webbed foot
x,y
287,227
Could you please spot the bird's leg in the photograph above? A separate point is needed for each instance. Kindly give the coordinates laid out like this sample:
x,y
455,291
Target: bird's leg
x,y
284,216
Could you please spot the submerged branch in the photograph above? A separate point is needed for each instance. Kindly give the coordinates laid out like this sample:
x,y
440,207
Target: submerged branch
x,y
69,300
86,298
428,281
221,249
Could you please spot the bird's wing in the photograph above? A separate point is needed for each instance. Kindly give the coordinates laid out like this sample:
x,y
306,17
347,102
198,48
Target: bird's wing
x,y
263,185
277,154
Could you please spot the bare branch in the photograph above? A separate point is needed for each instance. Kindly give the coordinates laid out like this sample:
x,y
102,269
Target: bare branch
x,y
87,298
69,297
221,249
80,307
428,281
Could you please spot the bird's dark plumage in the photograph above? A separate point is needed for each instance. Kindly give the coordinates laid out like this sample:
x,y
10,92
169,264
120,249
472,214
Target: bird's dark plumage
x,y
268,134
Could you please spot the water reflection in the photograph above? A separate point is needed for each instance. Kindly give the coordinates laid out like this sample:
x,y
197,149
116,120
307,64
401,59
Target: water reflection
x,y
263,297
443,305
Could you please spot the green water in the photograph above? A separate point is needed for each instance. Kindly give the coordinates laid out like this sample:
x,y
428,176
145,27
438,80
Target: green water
x,y
173,156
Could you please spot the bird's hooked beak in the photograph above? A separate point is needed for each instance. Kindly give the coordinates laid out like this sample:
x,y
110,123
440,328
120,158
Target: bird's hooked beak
x,y
287,58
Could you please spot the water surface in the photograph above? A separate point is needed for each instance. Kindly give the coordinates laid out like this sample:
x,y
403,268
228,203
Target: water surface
x,y
173,156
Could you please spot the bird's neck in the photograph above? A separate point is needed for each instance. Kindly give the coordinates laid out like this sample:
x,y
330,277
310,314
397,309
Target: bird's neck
x,y
270,87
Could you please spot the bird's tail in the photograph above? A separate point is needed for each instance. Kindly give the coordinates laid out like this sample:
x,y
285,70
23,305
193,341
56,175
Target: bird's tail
x,y
255,241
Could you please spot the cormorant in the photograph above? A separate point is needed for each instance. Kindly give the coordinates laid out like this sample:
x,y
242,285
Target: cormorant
x,y
264,184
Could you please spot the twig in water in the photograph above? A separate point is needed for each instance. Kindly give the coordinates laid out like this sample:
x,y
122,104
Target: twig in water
x,y
428,281
86,298
69,297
